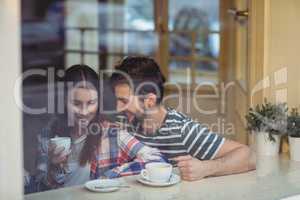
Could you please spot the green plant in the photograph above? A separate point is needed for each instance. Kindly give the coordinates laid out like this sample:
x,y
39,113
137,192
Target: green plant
x,y
268,117
293,123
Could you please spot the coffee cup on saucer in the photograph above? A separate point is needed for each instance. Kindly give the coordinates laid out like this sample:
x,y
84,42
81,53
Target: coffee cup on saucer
x,y
157,172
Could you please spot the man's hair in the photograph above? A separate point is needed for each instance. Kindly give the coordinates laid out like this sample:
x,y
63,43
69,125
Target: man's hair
x,y
142,74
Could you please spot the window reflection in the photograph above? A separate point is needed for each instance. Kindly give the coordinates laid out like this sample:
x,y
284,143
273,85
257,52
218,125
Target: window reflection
x,y
194,36
194,14
206,72
42,33
57,34
180,72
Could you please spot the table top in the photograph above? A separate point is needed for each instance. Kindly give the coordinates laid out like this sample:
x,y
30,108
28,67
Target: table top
x,y
275,178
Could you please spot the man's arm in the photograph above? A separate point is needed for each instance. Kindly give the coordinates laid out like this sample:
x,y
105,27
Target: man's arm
x,y
234,157
231,158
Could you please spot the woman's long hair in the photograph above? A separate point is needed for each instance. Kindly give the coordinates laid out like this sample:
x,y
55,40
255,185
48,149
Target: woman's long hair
x,y
106,102
84,76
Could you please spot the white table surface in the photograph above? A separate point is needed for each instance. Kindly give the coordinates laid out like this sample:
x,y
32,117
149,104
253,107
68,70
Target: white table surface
x,y
274,178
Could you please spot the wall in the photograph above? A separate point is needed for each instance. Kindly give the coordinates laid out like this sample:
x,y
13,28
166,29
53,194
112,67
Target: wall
x,y
283,47
274,43
11,162
274,60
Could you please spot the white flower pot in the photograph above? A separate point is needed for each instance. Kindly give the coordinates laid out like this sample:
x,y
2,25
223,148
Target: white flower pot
x,y
266,147
294,148
267,165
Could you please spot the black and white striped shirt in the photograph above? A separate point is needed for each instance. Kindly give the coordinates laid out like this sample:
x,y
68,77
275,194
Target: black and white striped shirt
x,y
180,135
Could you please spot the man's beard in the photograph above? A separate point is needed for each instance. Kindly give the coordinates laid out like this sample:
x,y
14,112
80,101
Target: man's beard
x,y
138,115
136,120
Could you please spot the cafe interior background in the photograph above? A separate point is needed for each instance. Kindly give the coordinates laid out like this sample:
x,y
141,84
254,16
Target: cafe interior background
x,y
206,47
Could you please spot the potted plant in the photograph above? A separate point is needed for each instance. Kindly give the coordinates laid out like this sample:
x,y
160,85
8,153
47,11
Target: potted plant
x,y
268,123
293,131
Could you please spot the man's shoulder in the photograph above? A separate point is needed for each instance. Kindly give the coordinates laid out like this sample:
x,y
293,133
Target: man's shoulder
x,y
184,122
174,122
173,114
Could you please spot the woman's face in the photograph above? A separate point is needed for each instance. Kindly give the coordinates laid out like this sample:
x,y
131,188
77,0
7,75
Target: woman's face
x,y
83,104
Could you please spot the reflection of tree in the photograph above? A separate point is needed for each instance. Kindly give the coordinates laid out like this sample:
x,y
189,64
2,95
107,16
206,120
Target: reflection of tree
x,y
192,19
140,9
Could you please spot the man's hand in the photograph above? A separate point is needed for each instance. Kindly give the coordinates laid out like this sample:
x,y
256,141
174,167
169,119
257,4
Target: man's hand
x,y
192,169
232,158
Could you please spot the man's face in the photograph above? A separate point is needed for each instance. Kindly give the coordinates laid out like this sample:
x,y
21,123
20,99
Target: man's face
x,y
127,102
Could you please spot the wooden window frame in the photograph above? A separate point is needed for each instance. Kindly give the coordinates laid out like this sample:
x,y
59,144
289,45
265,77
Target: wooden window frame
x,y
161,27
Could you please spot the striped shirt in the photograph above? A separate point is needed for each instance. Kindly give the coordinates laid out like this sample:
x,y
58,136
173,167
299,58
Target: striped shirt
x,y
180,135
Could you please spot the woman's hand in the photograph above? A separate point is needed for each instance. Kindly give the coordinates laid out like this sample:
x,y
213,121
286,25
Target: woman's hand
x,y
57,155
58,158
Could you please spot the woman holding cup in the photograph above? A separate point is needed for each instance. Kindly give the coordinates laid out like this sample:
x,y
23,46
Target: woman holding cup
x,y
82,143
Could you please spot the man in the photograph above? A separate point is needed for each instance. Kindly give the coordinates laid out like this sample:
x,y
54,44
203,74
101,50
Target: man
x,y
138,85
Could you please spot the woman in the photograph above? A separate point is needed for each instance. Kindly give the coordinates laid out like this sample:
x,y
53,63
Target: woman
x,y
98,148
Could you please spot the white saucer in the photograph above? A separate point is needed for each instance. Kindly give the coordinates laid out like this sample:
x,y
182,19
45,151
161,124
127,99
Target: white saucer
x,y
173,180
104,185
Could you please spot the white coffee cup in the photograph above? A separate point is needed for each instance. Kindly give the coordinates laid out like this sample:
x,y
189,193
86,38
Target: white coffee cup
x,y
64,142
157,172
